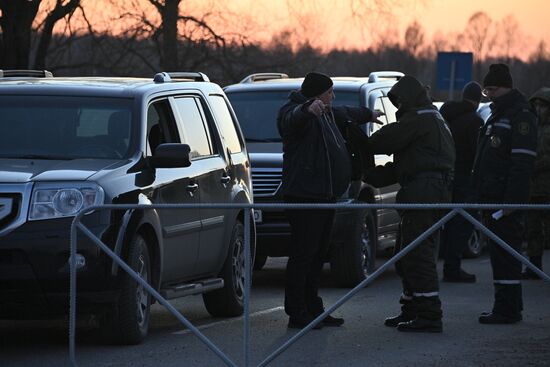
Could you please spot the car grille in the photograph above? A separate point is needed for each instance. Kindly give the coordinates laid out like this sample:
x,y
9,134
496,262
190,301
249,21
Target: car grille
x,y
14,202
266,181
9,207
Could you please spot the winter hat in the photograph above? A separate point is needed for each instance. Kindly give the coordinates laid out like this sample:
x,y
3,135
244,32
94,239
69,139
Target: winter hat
x,y
498,76
315,84
472,92
542,94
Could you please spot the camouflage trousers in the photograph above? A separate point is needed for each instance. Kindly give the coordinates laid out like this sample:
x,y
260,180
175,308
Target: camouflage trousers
x,y
538,228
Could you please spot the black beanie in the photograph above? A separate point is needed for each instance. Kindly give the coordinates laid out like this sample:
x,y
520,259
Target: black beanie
x,y
315,83
472,92
498,76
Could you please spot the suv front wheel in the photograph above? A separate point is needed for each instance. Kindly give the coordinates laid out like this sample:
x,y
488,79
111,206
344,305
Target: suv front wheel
x,y
354,259
129,322
228,301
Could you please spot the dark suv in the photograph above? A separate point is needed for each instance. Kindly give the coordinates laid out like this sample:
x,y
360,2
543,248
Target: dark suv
x,y
69,143
357,235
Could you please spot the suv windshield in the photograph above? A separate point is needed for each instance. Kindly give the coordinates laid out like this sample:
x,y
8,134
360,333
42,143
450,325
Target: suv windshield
x,y
257,111
62,127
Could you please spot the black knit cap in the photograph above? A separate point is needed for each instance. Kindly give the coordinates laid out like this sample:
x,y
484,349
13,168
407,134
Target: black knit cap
x,y
472,92
315,84
498,76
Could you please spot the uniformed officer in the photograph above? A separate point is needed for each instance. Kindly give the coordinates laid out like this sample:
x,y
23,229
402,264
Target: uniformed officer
x,y
424,158
502,169
538,221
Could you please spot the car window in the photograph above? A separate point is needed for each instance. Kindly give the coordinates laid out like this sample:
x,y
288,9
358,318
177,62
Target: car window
x,y
226,123
257,111
161,126
193,127
64,127
389,109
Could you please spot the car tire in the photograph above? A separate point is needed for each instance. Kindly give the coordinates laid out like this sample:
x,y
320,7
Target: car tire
x,y
128,323
228,301
355,258
475,245
259,261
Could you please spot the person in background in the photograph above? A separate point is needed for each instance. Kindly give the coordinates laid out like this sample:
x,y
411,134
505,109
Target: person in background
x,y
503,166
317,168
538,221
464,123
423,162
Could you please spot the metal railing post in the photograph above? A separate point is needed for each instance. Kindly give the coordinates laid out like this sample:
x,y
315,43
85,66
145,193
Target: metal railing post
x,y
247,282
503,244
408,248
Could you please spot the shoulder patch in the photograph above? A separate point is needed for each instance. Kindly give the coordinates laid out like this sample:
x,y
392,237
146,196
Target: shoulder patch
x,y
523,128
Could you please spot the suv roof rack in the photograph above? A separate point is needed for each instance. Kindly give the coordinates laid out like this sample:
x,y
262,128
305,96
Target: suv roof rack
x,y
26,73
165,77
259,77
377,76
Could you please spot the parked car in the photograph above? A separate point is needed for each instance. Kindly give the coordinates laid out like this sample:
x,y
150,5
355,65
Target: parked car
x,y
69,143
357,235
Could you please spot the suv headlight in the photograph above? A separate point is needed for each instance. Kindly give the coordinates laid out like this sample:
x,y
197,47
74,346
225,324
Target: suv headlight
x,y
56,200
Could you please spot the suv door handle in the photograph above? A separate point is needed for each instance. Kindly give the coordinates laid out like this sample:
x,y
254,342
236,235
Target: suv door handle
x,y
192,187
225,179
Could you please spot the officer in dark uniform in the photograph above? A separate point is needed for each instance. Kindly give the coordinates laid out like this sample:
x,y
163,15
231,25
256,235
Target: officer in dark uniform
x,y
503,166
423,161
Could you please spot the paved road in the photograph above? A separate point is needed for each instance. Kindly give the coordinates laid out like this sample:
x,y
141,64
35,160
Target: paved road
x,y
362,341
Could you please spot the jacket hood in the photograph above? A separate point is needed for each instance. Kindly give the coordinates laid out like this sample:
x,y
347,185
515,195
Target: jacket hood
x,y
453,109
410,93
542,94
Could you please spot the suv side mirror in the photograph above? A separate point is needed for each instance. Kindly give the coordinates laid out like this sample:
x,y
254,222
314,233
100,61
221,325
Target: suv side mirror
x,y
171,155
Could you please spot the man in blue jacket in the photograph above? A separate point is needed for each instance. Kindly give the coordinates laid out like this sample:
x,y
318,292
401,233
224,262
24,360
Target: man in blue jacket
x,y
317,168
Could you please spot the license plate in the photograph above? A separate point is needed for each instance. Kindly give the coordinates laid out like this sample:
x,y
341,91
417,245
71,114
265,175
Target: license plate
x,y
258,216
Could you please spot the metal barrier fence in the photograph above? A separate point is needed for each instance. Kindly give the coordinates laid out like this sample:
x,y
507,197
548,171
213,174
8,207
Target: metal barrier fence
x,y
454,210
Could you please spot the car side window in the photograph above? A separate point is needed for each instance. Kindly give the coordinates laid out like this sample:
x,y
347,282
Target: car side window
x,y
378,105
390,110
192,125
161,126
226,123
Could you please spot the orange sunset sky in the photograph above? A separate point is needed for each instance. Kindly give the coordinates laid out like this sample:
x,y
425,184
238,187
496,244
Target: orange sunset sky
x,y
329,24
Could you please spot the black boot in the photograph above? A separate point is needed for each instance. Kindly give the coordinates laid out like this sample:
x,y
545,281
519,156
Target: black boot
x,y
459,276
495,318
407,311
395,320
419,325
301,320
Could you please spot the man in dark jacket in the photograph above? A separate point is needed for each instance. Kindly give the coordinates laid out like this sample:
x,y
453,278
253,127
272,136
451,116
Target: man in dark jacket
x,y
317,168
464,123
423,161
503,166
538,221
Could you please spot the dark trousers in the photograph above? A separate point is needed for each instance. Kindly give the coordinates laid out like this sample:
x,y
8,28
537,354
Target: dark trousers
x,y
538,227
418,268
309,244
457,231
506,269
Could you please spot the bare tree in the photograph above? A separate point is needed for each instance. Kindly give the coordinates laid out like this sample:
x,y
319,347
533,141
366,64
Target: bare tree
x,y
507,35
60,10
477,32
16,21
414,38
